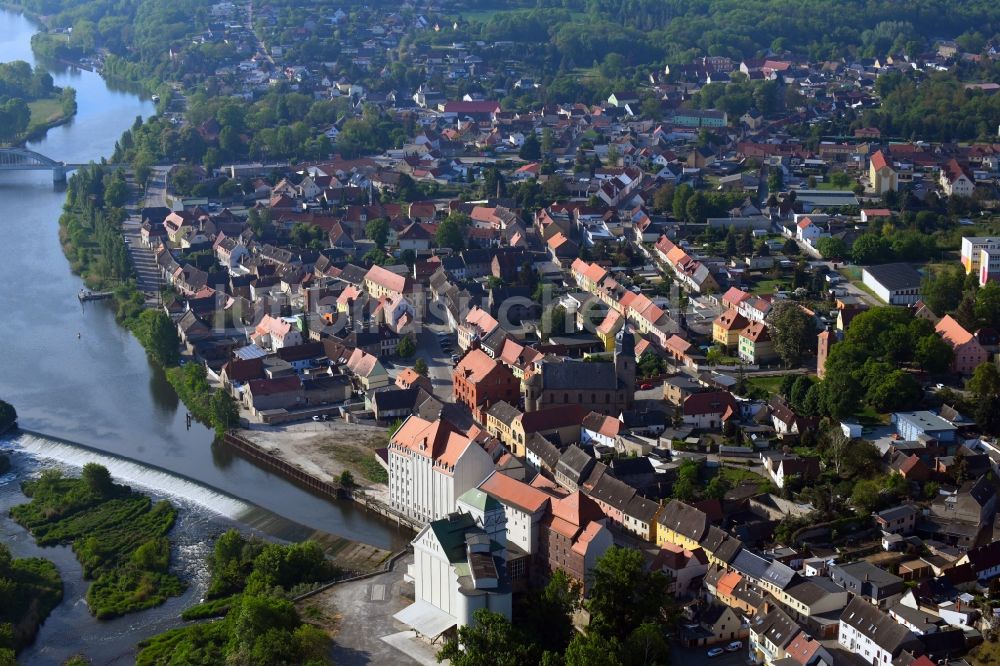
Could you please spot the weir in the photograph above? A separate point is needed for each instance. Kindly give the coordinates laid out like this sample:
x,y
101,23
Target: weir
x,y
131,472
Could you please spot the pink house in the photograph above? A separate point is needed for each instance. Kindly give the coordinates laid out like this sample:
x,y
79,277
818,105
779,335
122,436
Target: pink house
x,y
968,352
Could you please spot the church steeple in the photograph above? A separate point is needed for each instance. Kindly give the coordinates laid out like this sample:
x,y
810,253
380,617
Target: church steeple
x,y
625,357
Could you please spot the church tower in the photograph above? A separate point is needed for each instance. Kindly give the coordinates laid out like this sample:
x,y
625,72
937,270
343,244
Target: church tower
x,y
625,358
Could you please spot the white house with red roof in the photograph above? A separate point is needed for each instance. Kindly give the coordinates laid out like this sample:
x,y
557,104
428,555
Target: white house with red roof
x,y
275,333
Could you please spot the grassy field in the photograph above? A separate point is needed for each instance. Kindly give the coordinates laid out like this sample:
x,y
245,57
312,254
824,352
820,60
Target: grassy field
x,y
361,460
44,112
738,476
770,286
768,384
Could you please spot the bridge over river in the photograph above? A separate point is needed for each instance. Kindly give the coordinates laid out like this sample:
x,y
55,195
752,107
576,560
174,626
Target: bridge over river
x,y
23,159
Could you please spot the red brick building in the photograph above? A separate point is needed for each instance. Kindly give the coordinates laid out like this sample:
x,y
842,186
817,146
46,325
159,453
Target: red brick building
x,y
479,381
572,537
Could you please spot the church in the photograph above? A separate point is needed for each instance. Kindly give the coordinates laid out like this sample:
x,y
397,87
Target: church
x,y
607,387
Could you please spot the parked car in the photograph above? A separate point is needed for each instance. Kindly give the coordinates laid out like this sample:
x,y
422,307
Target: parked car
x,y
715,652
645,386
454,358
735,646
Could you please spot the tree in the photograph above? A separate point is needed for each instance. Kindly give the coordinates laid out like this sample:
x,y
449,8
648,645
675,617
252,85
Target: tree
x,y
548,614
450,233
663,198
377,231
420,367
531,149
865,496
696,208
681,195
987,306
553,322
943,292
347,479
775,179
791,330
985,382
158,335
624,595
98,479
646,646
593,649
745,242
406,347
8,415
731,248
871,249
897,391
831,248
933,354
225,413
489,641
800,389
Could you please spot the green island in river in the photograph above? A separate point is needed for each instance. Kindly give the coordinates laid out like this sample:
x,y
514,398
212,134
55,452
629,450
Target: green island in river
x,y
30,103
117,534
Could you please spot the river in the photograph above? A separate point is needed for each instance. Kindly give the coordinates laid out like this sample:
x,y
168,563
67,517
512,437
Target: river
x,y
98,388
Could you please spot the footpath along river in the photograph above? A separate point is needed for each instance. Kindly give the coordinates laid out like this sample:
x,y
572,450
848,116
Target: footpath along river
x,y
99,389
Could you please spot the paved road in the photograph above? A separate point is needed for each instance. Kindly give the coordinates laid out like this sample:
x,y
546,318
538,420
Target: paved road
x,y
699,656
156,187
366,608
439,365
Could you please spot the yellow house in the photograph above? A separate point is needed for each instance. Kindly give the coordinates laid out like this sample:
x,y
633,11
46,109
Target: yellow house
x,y
682,525
499,421
727,327
882,177
608,330
560,421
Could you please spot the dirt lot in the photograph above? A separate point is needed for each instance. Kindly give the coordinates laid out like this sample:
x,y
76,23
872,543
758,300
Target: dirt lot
x,y
327,448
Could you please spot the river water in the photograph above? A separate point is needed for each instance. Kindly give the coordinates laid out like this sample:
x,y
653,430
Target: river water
x,y
76,375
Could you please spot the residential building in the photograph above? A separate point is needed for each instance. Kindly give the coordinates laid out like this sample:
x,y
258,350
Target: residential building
x,y
381,282
755,344
872,634
956,179
683,568
273,333
430,466
370,372
972,247
479,382
882,177
710,409
727,327
864,579
989,266
968,352
900,519
770,635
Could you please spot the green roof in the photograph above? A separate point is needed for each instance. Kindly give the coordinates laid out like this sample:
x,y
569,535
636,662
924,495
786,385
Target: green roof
x,y
477,499
450,533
